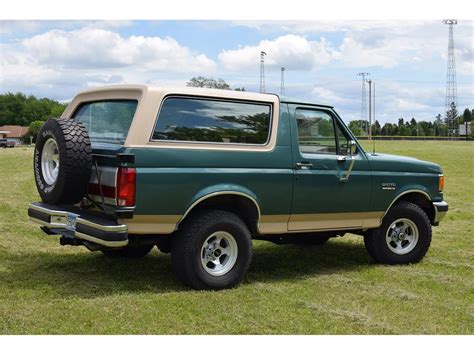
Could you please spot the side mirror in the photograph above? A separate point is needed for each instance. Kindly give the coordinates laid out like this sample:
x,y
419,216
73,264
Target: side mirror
x,y
352,147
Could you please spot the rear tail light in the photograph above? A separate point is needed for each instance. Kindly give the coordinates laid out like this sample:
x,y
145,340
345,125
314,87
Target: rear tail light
x,y
441,183
126,179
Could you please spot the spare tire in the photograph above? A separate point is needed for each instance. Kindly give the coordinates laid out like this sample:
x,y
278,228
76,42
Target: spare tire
x,y
62,161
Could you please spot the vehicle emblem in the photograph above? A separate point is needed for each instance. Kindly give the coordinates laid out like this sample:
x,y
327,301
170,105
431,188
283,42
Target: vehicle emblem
x,y
388,186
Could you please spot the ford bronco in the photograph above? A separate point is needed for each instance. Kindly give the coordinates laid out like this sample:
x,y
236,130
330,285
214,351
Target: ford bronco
x,y
200,173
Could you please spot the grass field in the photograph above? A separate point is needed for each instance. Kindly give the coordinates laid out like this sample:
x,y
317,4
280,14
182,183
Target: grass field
x,y
334,289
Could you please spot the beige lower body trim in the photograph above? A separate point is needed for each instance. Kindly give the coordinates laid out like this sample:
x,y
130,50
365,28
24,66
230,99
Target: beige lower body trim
x,y
273,224
268,224
334,221
151,224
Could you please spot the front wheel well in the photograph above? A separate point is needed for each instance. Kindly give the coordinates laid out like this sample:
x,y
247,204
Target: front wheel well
x,y
242,206
421,201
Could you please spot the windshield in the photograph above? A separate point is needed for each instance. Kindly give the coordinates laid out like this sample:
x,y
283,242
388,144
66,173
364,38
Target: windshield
x,y
107,121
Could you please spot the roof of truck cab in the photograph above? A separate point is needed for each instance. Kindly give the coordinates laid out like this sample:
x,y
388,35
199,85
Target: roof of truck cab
x,y
248,95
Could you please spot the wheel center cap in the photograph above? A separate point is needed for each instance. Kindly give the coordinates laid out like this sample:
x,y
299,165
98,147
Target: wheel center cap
x,y
217,253
401,236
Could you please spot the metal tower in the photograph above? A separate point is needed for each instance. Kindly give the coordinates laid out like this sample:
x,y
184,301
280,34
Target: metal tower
x,y
363,109
451,86
282,84
262,71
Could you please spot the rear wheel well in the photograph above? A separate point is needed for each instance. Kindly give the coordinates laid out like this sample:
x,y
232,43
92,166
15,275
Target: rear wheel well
x,y
421,201
239,205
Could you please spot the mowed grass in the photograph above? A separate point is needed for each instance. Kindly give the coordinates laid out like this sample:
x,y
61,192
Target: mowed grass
x,y
333,289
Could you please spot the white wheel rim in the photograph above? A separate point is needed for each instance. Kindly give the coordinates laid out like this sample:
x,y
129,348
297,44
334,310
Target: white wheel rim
x,y
50,161
402,236
219,253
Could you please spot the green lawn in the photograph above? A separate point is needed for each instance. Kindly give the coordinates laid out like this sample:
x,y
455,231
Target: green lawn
x,y
334,289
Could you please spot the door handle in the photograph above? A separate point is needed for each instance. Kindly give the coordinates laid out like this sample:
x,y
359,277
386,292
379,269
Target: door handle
x,y
304,166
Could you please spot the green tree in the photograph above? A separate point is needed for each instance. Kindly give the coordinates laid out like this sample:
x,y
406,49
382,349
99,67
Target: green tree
x,y
376,128
356,129
211,83
19,109
467,115
34,128
452,118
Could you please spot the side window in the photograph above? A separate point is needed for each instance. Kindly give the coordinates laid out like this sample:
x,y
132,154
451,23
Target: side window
x,y
344,148
315,132
207,120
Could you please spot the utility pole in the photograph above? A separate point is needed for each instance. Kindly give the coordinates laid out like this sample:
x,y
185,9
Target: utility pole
x,y
370,109
262,71
282,84
451,85
374,110
363,109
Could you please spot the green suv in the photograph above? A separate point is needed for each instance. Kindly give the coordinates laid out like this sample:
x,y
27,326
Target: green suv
x,y
200,173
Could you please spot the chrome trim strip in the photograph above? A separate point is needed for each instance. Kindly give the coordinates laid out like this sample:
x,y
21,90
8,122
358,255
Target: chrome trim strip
x,y
117,228
205,197
404,193
47,210
48,225
106,243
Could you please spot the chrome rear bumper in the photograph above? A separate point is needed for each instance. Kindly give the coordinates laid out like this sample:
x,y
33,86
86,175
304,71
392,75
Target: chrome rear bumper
x,y
98,229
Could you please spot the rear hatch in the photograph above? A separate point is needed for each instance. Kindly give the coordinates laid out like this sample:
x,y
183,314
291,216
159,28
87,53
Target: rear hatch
x,y
112,183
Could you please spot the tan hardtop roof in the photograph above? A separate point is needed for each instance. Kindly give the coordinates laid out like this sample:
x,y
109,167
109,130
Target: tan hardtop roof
x,y
186,90
245,95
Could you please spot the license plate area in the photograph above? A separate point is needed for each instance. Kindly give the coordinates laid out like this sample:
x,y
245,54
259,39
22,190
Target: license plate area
x,y
71,221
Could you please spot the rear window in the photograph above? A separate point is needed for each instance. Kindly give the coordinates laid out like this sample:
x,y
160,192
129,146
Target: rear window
x,y
215,121
107,121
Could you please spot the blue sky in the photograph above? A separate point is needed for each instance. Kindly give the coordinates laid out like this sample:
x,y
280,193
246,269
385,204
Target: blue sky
x,y
406,59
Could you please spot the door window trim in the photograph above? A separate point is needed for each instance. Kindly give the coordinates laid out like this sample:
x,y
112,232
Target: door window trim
x,y
335,121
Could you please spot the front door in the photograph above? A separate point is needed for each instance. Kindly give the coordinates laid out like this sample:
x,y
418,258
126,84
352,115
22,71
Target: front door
x,y
325,197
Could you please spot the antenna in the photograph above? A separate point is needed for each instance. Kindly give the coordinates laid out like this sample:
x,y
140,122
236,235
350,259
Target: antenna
x,y
282,84
451,86
262,71
363,108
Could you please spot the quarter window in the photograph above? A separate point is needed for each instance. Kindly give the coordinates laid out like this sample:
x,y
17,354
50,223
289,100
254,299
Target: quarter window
x,y
206,120
107,121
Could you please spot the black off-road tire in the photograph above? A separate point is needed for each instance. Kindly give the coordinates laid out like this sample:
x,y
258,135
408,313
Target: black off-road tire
x,y
187,243
375,239
128,252
75,161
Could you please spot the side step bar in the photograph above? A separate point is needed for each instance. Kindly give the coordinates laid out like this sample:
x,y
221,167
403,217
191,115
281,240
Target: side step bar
x,y
72,222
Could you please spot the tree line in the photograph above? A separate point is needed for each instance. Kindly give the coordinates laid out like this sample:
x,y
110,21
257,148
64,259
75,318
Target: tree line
x,y
439,127
20,109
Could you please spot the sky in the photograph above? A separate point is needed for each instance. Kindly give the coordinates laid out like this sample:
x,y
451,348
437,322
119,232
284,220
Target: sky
x,y
406,59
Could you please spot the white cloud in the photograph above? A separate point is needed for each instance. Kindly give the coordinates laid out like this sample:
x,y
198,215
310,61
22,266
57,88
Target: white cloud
x,y
59,63
383,43
289,51
92,47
